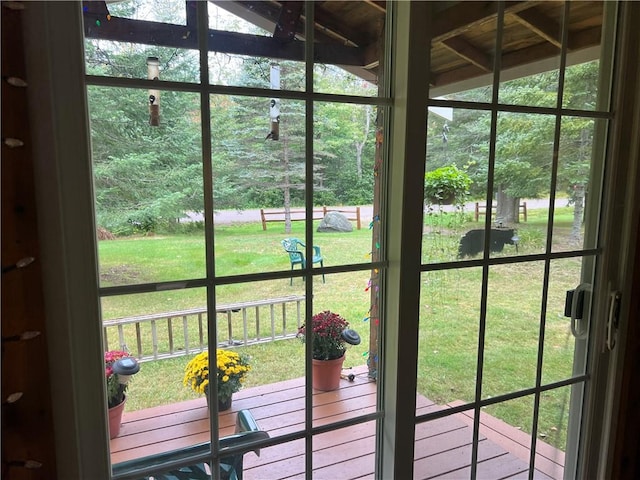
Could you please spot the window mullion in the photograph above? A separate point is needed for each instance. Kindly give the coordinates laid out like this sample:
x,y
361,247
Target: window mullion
x,y
404,233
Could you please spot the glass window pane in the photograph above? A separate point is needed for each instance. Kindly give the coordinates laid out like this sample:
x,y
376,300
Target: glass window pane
x,y
348,47
251,170
459,64
553,423
443,447
510,424
147,182
246,41
530,63
523,167
560,360
583,66
539,90
285,460
512,327
345,150
448,341
455,182
577,180
347,390
345,453
163,331
581,86
263,314
121,37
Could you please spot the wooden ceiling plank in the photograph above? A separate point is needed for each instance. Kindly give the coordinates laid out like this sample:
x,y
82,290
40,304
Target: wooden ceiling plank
x,y
529,55
267,10
464,49
381,6
333,26
327,28
509,60
541,24
465,15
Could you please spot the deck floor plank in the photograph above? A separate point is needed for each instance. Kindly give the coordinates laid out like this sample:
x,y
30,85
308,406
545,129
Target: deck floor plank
x,y
549,460
442,446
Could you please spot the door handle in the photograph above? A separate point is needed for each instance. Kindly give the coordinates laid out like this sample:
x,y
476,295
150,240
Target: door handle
x,y
613,319
578,329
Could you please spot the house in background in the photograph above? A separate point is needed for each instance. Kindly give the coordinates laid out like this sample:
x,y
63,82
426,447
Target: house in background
x,y
45,216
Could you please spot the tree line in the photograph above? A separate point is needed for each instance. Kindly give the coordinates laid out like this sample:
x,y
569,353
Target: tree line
x,y
148,177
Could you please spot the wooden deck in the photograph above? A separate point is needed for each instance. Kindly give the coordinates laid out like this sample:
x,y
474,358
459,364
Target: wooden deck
x,y
443,446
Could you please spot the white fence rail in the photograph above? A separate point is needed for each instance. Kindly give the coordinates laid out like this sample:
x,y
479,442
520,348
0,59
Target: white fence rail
x,y
183,332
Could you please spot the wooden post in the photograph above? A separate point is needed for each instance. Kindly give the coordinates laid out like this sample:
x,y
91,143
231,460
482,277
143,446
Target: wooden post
x,y
378,170
264,220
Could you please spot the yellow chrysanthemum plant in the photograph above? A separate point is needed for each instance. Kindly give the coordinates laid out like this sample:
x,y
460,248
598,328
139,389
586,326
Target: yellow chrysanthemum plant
x,y
232,370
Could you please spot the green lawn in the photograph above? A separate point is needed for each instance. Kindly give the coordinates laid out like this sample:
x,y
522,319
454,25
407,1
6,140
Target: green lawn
x,y
450,309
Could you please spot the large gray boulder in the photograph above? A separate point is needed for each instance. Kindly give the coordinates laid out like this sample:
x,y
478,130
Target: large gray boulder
x,y
335,222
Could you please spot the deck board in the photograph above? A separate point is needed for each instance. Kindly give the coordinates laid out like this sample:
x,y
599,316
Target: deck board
x,y
443,446
549,460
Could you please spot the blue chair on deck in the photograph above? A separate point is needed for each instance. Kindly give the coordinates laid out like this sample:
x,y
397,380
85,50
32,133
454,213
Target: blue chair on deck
x,y
296,257
180,464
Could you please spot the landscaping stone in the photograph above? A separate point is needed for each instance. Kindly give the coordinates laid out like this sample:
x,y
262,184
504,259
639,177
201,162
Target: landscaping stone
x,y
335,222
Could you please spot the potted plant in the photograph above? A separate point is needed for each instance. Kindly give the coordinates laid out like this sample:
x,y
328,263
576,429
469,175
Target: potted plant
x,y
446,185
118,368
232,369
330,335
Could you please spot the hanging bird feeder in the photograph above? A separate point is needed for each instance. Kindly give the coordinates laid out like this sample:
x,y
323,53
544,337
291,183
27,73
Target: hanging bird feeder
x,y
153,73
274,104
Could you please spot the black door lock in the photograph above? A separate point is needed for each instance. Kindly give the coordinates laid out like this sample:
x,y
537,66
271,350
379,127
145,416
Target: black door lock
x,y
569,301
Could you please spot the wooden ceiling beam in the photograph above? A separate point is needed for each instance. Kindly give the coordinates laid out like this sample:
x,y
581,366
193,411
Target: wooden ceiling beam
x,y
179,36
541,24
371,54
464,49
585,38
192,14
288,20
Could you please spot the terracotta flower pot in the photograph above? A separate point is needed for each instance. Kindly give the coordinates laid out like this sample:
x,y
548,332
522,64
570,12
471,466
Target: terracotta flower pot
x,y
115,419
326,374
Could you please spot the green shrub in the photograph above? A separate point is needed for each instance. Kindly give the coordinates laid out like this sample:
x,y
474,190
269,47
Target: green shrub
x,y
446,185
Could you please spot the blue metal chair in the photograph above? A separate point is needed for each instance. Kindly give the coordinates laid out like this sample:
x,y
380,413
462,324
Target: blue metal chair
x,y
296,257
187,463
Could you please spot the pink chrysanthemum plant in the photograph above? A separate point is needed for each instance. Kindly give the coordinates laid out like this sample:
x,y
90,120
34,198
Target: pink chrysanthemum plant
x,y
331,334
118,368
